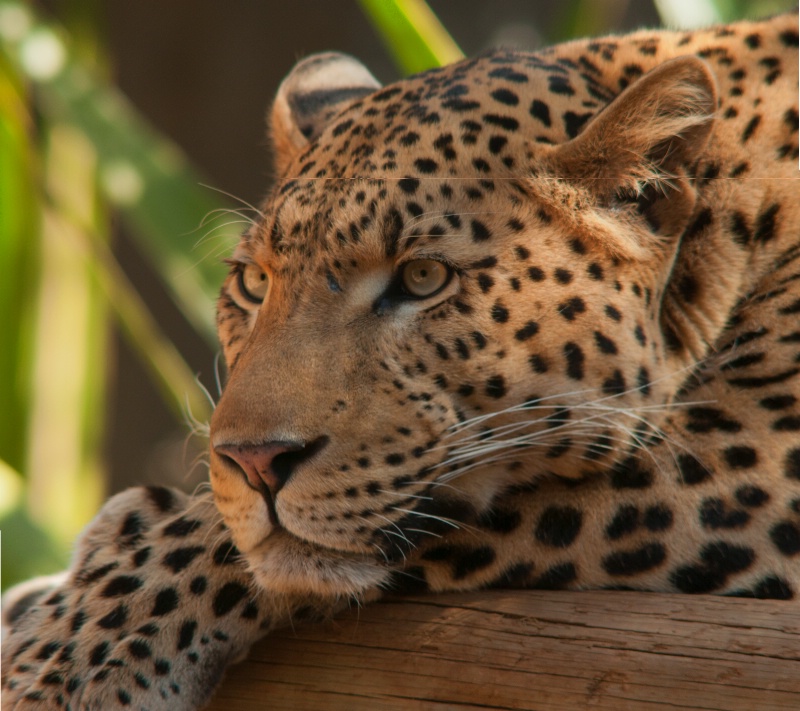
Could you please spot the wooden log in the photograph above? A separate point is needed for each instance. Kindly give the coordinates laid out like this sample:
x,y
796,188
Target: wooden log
x,y
531,650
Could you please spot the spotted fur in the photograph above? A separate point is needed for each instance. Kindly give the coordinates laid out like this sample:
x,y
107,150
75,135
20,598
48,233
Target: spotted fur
x,y
602,394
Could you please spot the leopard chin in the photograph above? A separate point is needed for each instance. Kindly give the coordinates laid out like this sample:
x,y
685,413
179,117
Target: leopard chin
x,y
287,565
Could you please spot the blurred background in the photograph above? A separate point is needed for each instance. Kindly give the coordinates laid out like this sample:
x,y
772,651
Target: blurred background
x,y
132,144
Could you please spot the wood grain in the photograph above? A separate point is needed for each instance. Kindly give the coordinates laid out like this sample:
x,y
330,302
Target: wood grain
x,y
531,650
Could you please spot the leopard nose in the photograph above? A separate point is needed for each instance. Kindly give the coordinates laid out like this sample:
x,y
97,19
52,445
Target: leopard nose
x,y
270,463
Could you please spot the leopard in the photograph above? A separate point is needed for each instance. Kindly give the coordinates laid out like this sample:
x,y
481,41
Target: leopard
x,y
530,320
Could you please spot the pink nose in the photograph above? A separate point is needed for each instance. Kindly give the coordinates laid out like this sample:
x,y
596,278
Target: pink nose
x,y
258,462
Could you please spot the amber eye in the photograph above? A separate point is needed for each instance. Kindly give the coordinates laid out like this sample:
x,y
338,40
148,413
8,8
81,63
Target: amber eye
x,y
253,283
424,277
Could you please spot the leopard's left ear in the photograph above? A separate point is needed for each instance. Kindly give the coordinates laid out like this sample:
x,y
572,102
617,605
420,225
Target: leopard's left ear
x,y
315,91
658,123
641,147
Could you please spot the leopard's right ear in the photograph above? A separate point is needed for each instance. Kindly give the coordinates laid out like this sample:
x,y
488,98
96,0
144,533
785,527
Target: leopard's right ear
x,y
315,91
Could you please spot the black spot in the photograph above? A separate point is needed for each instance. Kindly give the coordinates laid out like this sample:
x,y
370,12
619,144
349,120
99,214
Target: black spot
x,y
48,650
708,419
790,423
613,313
500,520
121,585
460,105
629,474
140,649
691,470
786,537
574,122
575,360
539,110
751,496
636,561
479,339
480,233
78,621
605,344
226,553
625,522
643,381
538,364
751,127
615,385
496,144
595,271
505,96
755,382
714,514
535,274
166,601
777,402
408,185
496,386
99,654
180,558
426,165
704,219
571,308
563,276
558,84
499,313
468,561
530,329
114,619
558,526
132,525
765,224
182,527
789,38
186,634
771,587
517,576
658,518
198,585
485,282
556,577
142,556
688,288
740,457
509,74
161,497
718,560
507,122
228,596
92,576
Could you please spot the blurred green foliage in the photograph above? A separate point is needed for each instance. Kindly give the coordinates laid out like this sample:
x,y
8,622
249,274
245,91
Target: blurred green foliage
x,y
87,153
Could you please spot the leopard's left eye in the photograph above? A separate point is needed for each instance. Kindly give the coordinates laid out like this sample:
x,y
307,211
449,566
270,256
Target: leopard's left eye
x,y
422,278
253,283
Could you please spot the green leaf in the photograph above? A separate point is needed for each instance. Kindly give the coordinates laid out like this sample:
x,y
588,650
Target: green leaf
x,y
19,249
413,33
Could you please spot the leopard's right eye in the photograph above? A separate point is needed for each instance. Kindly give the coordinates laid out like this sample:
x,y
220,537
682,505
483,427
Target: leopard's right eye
x,y
253,283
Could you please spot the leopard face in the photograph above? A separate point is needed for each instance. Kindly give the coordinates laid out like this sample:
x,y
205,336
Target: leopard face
x,y
469,281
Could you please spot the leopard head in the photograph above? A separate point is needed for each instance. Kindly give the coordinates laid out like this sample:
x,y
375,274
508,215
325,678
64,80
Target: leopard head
x,y
440,299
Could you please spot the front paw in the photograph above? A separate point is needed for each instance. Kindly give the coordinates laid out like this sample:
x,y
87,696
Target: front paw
x,y
155,607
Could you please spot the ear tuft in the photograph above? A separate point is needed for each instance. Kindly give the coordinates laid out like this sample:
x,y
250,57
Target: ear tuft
x,y
646,134
315,91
